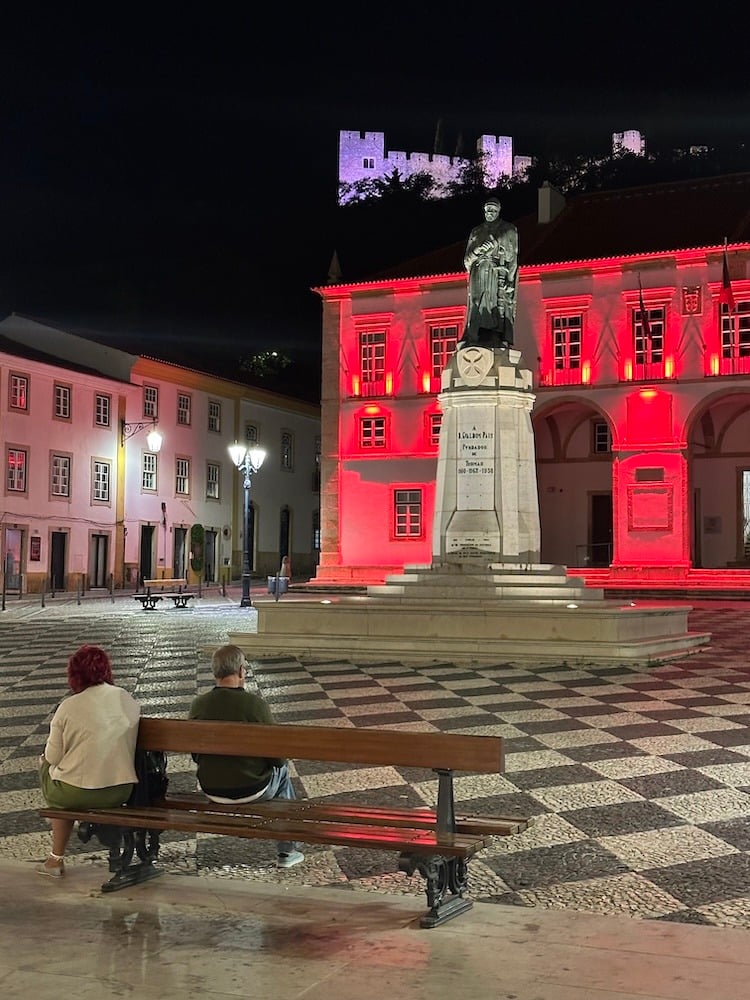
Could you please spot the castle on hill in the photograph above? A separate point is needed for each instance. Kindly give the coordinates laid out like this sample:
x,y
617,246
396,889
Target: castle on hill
x,y
363,156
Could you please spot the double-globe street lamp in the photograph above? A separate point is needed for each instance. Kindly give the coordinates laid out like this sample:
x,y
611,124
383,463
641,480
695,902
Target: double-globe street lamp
x,y
248,461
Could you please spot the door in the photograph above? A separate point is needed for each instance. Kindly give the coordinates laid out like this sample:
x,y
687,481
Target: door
x,y
179,556
285,522
98,558
600,544
58,545
12,564
146,567
209,559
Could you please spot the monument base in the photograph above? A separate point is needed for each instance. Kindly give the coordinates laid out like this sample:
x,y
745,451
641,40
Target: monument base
x,y
471,614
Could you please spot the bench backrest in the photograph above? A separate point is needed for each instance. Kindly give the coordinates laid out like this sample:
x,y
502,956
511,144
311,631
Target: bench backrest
x,y
166,581
438,751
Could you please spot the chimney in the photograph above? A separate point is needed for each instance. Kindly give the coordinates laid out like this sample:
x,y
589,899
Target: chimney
x,y
549,203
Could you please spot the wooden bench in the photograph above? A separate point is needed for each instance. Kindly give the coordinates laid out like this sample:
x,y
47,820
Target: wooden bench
x,y
437,843
155,593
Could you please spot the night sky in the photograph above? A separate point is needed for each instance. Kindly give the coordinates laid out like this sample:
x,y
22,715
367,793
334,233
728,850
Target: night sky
x,y
170,178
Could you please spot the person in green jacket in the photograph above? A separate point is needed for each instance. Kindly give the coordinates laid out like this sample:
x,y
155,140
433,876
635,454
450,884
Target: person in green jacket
x,y
241,779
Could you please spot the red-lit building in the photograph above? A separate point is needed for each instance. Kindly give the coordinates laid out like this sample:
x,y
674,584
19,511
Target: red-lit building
x,y
642,382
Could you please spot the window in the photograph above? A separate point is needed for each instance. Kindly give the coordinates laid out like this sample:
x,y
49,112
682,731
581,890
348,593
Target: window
x,y
183,408
15,479
434,421
149,469
18,394
287,450
407,513
372,432
443,340
735,339
566,342
601,437
102,474
150,401
102,409
60,476
368,162
649,349
62,402
214,416
212,480
372,362
252,434
182,476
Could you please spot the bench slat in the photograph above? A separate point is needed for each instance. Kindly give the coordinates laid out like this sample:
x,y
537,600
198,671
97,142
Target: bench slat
x,y
435,751
267,828
496,826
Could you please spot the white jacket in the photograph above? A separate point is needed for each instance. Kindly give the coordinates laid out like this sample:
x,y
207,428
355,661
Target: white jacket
x,y
92,738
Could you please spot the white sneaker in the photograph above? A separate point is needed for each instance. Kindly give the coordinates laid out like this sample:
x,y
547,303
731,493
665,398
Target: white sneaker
x,y
290,860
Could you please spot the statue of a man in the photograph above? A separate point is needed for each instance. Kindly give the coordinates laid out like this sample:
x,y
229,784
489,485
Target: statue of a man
x,y
491,259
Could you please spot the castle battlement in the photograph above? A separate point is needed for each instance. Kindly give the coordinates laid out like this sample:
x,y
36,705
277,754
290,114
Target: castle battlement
x,y
363,157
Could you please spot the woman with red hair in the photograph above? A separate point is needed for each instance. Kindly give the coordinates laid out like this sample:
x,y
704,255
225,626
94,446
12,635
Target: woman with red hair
x,y
88,761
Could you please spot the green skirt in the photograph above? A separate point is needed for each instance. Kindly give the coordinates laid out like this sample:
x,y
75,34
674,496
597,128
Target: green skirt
x,y
60,795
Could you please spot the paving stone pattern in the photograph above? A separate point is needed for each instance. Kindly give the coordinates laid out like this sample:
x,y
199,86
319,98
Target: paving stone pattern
x,y
637,779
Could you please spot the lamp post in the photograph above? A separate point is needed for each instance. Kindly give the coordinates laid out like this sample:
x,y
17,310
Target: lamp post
x,y
248,461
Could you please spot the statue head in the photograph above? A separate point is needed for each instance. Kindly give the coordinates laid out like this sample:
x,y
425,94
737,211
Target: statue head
x,y
491,209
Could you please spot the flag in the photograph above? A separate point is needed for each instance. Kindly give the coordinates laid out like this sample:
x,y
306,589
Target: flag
x,y
726,295
645,325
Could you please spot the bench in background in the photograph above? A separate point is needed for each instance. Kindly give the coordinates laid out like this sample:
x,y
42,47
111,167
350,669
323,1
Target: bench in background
x,y
155,592
437,843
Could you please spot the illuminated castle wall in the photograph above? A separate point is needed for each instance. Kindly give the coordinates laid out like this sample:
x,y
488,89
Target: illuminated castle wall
x,y
642,439
363,156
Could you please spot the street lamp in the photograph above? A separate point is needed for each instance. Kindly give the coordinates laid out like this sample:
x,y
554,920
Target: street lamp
x,y
153,438
248,461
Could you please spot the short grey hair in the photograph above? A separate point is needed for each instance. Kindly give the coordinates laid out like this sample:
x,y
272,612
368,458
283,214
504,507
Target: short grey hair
x,y
227,661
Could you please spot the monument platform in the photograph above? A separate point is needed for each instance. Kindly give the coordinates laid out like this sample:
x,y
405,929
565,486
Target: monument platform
x,y
470,614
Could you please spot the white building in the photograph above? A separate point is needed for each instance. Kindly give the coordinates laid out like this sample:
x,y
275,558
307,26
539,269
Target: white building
x,y
87,501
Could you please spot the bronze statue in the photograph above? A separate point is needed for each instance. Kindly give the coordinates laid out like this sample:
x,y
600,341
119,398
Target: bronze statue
x,y
491,259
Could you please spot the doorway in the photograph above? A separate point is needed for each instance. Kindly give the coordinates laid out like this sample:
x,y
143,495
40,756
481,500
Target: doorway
x,y
209,557
98,560
147,553
285,528
600,540
58,546
12,564
179,560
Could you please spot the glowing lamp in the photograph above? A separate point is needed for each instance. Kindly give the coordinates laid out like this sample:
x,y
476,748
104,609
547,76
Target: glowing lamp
x,y
586,373
628,371
669,368
355,385
371,409
389,384
714,364
426,382
647,393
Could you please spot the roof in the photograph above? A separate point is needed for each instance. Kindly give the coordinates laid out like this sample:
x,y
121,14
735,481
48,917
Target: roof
x,y
654,218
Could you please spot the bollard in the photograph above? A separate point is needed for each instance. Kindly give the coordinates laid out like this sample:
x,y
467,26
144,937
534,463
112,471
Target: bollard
x,y
112,586
44,589
78,591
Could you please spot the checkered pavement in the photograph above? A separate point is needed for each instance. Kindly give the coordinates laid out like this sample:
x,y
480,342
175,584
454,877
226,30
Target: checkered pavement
x,y
637,779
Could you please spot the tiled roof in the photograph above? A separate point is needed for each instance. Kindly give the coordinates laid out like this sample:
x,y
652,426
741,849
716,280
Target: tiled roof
x,y
651,219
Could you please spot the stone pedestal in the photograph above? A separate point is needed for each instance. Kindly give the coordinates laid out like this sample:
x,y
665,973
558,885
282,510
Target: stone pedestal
x,y
486,503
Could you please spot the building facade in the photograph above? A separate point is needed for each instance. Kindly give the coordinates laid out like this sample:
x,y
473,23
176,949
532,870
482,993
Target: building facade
x,y
642,382
91,502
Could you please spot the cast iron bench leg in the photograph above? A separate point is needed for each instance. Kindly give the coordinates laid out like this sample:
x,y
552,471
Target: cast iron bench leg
x,y
447,880
122,844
